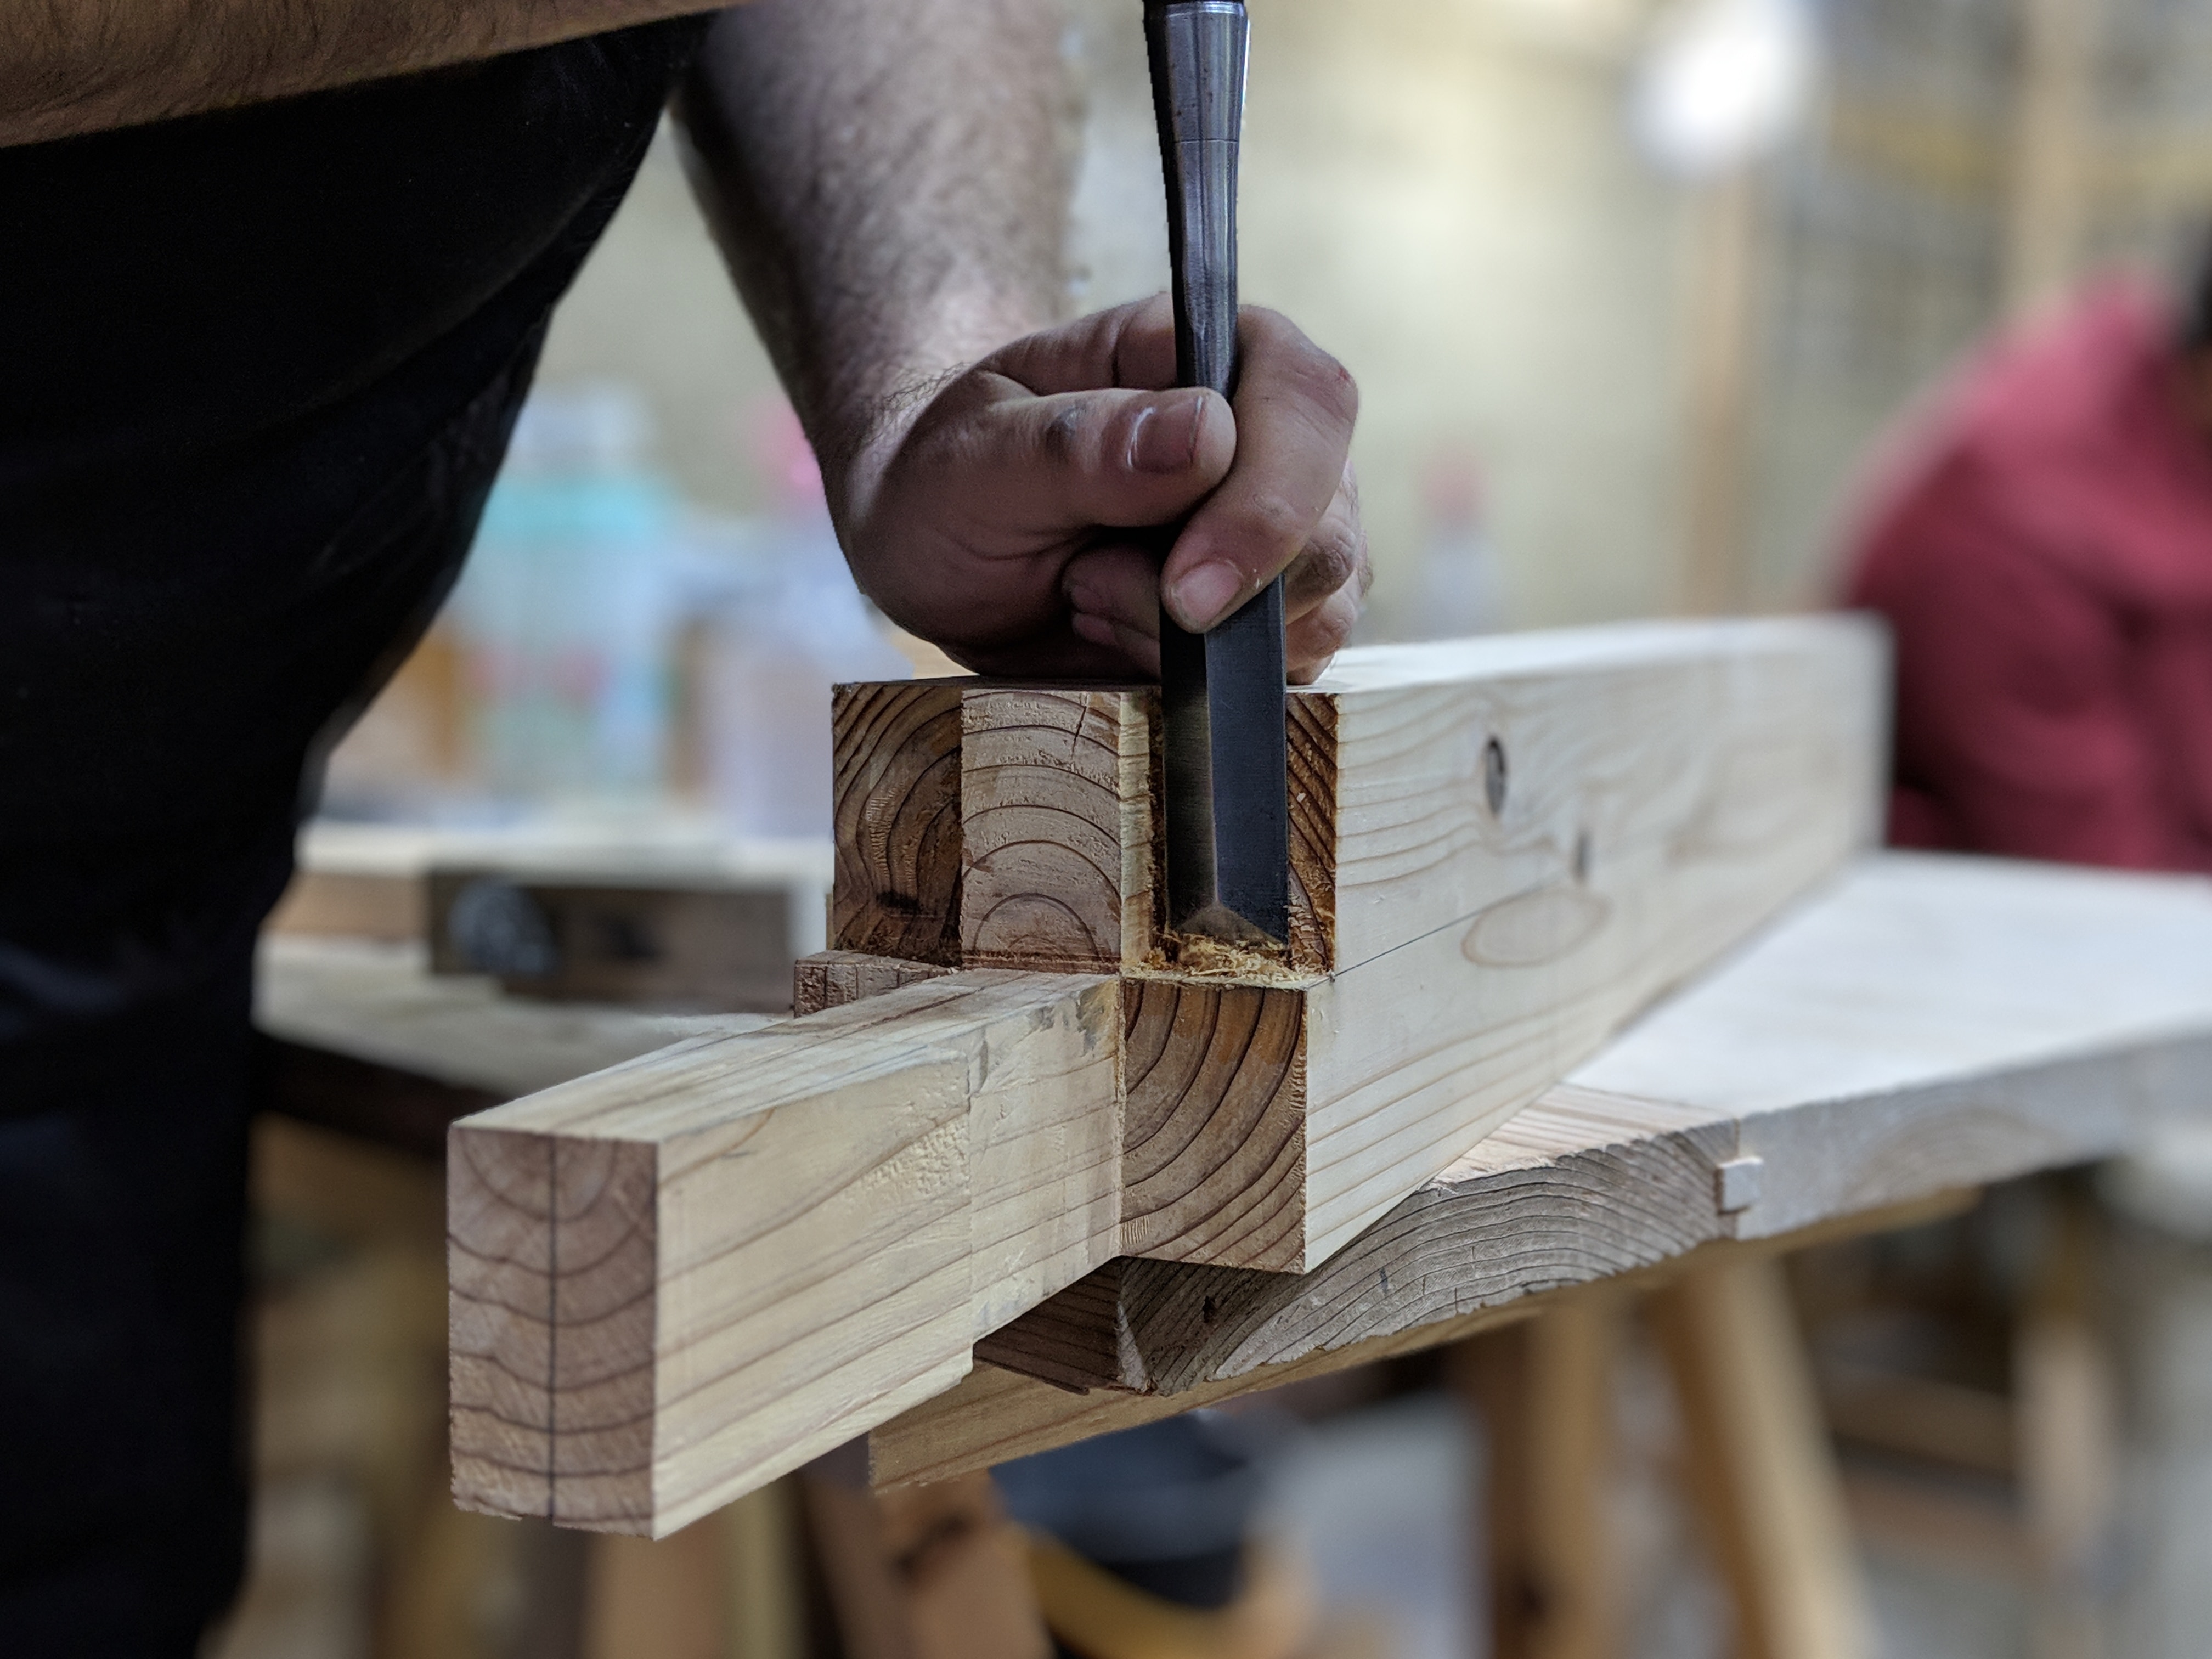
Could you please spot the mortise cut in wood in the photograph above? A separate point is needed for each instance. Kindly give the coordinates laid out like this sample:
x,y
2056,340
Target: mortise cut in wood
x,y
1312,732
896,811
1060,842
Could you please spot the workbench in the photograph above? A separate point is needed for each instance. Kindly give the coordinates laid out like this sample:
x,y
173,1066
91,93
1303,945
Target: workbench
x,y
1920,1026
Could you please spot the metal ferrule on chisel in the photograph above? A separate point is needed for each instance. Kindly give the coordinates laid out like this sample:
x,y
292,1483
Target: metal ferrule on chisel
x,y
1225,764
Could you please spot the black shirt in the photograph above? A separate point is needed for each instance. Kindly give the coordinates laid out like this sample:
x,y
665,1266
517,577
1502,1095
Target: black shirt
x,y
256,370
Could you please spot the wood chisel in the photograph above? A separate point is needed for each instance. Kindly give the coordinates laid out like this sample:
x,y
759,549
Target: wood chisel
x,y
1225,764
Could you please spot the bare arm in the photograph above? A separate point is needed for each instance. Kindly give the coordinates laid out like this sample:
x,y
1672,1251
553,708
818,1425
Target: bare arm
x,y
75,66
890,180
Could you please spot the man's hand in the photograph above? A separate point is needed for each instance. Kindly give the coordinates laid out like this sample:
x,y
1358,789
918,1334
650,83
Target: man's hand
x,y
890,180
1017,519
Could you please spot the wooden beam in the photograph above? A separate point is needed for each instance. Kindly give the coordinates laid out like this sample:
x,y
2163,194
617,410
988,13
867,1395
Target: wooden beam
x,y
994,1413
677,1279
1504,848
682,1277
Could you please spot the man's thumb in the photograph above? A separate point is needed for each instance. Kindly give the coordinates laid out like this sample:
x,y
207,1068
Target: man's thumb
x,y
1110,457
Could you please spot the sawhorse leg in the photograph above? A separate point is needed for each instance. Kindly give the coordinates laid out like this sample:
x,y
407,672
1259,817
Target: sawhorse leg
x,y
1760,1470
920,1572
1760,1467
1544,1389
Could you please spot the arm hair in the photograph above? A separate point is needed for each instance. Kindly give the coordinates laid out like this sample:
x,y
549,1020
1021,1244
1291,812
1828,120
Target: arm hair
x,y
890,181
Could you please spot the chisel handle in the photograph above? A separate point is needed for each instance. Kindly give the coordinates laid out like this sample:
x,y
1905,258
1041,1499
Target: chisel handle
x,y
1197,49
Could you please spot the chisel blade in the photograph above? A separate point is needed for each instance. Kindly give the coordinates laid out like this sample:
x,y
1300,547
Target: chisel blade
x,y
1225,767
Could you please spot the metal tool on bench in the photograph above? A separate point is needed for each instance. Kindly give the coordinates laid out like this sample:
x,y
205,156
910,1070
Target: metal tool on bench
x,y
1226,765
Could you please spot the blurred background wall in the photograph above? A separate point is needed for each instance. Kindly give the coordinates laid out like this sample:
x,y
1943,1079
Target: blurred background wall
x,y
1630,287
1450,195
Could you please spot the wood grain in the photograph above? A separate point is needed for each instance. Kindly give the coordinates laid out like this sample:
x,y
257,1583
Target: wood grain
x,y
1537,837
1061,845
548,1241
896,813
993,1415
1928,1022
1581,1187
1213,1146
1311,730
678,1278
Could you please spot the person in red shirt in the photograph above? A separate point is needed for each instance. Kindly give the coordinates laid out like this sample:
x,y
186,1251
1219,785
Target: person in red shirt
x,y
2039,538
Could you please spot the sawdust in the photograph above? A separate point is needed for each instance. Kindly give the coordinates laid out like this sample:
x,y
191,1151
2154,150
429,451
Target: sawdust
x,y
1199,956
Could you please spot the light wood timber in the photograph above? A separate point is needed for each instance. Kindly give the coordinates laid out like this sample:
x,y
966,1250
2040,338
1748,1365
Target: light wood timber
x,y
1504,847
676,1280
1931,1023
1928,1022
1759,1469
830,979
1665,790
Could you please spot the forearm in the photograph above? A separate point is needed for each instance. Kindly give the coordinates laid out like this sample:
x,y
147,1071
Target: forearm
x,y
890,181
75,66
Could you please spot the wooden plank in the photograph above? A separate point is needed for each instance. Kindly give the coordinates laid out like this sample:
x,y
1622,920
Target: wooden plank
x,y
676,1280
993,1415
1578,1187
1929,1021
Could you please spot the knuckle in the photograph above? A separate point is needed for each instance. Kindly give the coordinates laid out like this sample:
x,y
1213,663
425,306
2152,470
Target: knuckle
x,y
1330,560
1330,385
1060,441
